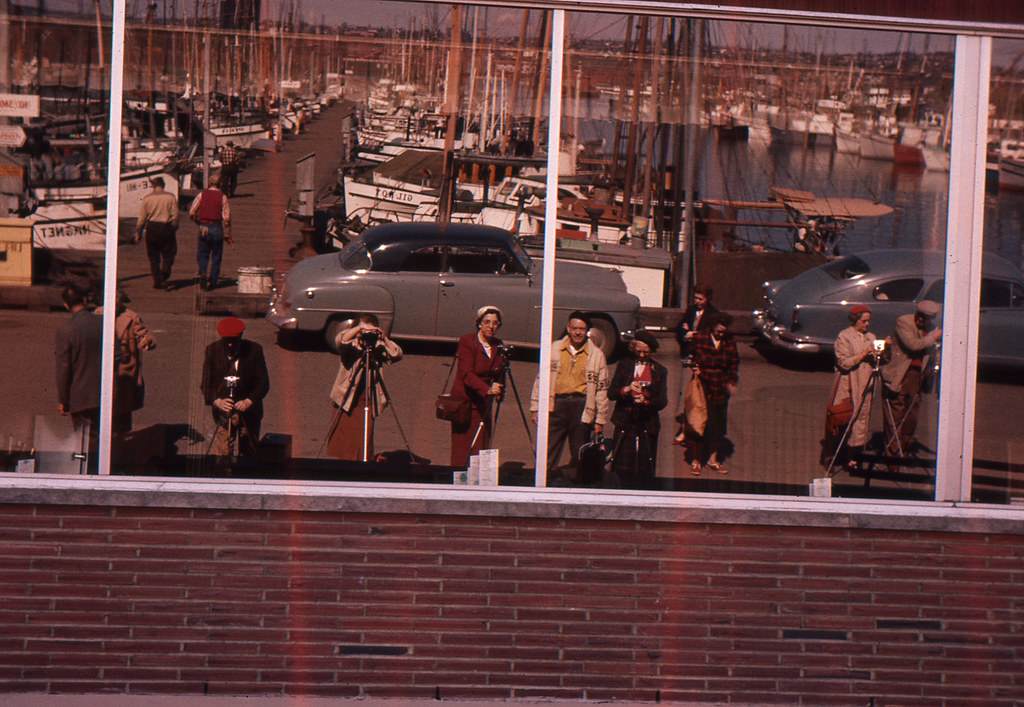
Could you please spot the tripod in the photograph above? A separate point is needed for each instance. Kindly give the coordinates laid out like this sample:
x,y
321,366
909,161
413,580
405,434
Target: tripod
x,y
231,425
366,372
506,373
867,392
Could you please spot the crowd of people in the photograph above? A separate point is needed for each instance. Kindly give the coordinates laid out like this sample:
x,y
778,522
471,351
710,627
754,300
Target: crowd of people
x,y
586,394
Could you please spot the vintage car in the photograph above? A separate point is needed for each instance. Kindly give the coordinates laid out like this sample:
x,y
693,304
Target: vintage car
x,y
426,281
805,314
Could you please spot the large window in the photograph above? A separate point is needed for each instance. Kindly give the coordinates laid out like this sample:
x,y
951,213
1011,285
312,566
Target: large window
x,y
303,196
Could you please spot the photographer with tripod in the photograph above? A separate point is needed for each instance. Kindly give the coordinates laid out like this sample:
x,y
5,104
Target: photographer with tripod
x,y
358,395
858,355
479,380
234,383
906,374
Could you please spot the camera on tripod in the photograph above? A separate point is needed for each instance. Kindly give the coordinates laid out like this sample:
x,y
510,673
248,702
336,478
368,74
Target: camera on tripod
x,y
505,350
879,346
369,338
232,387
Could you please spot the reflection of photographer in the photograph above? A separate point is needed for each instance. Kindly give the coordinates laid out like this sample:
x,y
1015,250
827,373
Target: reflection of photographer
x,y
361,347
907,373
235,381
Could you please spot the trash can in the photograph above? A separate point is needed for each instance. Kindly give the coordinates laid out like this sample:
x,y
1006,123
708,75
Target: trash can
x,y
255,280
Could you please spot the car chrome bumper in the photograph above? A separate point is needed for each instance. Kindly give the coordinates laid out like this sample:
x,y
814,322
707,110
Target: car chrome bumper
x,y
781,337
281,319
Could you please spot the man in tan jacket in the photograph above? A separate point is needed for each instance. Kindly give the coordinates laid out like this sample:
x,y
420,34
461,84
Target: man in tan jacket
x,y
579,391
905,373
158,219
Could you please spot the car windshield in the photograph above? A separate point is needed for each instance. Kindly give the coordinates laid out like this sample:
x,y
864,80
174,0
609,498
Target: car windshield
x,y
355,257
847,268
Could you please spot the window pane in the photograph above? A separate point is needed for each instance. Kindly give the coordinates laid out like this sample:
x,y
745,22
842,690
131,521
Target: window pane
x,y
55,78
796,171
998,449
357,129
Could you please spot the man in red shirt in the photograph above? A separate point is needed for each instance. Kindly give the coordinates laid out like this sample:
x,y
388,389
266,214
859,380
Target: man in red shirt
x,y
210,209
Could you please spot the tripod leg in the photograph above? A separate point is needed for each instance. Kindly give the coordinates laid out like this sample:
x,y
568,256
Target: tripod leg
x,y
522,414
394,412
869,386
335,421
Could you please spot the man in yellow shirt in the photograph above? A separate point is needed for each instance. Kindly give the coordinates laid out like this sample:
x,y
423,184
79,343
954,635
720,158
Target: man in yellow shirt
x,y
579,392
158,219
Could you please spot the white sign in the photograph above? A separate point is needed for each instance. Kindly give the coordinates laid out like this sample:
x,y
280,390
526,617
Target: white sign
x,y
12,136
85,234
16,105
291,84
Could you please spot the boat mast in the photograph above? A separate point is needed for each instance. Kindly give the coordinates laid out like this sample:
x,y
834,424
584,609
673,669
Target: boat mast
x,y
451,108
513,96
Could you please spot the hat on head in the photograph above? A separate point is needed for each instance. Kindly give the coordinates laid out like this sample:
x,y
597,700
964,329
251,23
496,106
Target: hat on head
x,y
645,337
487,308
928,308
859,309
230,327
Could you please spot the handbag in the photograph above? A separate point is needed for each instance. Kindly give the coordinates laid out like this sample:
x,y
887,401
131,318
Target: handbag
x,y
837,415
449,408
695,405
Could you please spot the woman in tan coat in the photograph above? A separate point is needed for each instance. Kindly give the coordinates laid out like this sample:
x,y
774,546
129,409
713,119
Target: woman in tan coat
x,y
855,357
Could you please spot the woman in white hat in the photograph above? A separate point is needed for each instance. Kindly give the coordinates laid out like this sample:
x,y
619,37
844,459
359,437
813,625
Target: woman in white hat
x,y
478,379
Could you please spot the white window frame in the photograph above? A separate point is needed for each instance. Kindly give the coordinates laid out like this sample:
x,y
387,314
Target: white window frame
x,y
964,216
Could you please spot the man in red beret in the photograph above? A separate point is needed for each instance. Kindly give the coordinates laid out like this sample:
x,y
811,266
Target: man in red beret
x,y
235,381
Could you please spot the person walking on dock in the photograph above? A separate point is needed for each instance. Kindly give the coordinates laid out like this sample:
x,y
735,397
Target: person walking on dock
x,y
211,210
158,220
230,159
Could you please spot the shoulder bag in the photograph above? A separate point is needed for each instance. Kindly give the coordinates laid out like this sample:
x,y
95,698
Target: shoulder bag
x,y
449,408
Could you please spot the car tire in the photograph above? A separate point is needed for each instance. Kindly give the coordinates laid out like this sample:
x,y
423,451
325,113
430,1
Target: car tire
x,y
605,336
334,327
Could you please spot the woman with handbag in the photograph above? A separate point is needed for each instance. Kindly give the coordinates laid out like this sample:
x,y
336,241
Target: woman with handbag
x,y
479,366
854,350
716,364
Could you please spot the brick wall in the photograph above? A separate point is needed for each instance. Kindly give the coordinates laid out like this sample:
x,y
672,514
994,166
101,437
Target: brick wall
x,y
178,600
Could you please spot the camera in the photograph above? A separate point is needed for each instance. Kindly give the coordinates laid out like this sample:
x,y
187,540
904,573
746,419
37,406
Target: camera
x,y
369,338
878,345
232,387
644,385
506,349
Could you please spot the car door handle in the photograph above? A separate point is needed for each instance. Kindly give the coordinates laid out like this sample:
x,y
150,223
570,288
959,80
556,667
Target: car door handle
x,y
447,283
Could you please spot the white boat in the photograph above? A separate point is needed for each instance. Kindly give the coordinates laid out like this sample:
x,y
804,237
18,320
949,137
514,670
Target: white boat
x,y
876,147
134,187
847,142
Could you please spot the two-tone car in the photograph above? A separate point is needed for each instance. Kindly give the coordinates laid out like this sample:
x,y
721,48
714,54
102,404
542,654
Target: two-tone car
x,y
804,314
426,281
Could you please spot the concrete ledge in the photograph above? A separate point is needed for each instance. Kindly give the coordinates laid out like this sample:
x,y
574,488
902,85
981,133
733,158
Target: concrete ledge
x,y
633,506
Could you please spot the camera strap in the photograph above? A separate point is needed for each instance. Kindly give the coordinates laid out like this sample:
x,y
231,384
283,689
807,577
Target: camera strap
x,y
451,369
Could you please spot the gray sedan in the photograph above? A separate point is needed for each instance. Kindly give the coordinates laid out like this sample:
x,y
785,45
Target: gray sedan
x,y
426,281
805,314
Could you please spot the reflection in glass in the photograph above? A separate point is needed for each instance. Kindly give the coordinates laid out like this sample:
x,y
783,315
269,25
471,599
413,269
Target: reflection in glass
x,y
790,171
55,81
998,451
323,159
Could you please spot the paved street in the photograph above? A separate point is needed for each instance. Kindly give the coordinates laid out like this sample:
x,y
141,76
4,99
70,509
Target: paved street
x,y
775,420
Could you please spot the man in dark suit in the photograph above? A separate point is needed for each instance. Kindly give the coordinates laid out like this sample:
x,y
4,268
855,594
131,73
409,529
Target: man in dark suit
x,y
78,353
235,381
695,319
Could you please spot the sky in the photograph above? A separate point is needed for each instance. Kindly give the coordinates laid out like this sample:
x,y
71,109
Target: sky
x,y
506,21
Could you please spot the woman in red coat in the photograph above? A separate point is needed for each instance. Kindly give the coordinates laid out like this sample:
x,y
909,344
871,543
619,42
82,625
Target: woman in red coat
x,y
478,379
